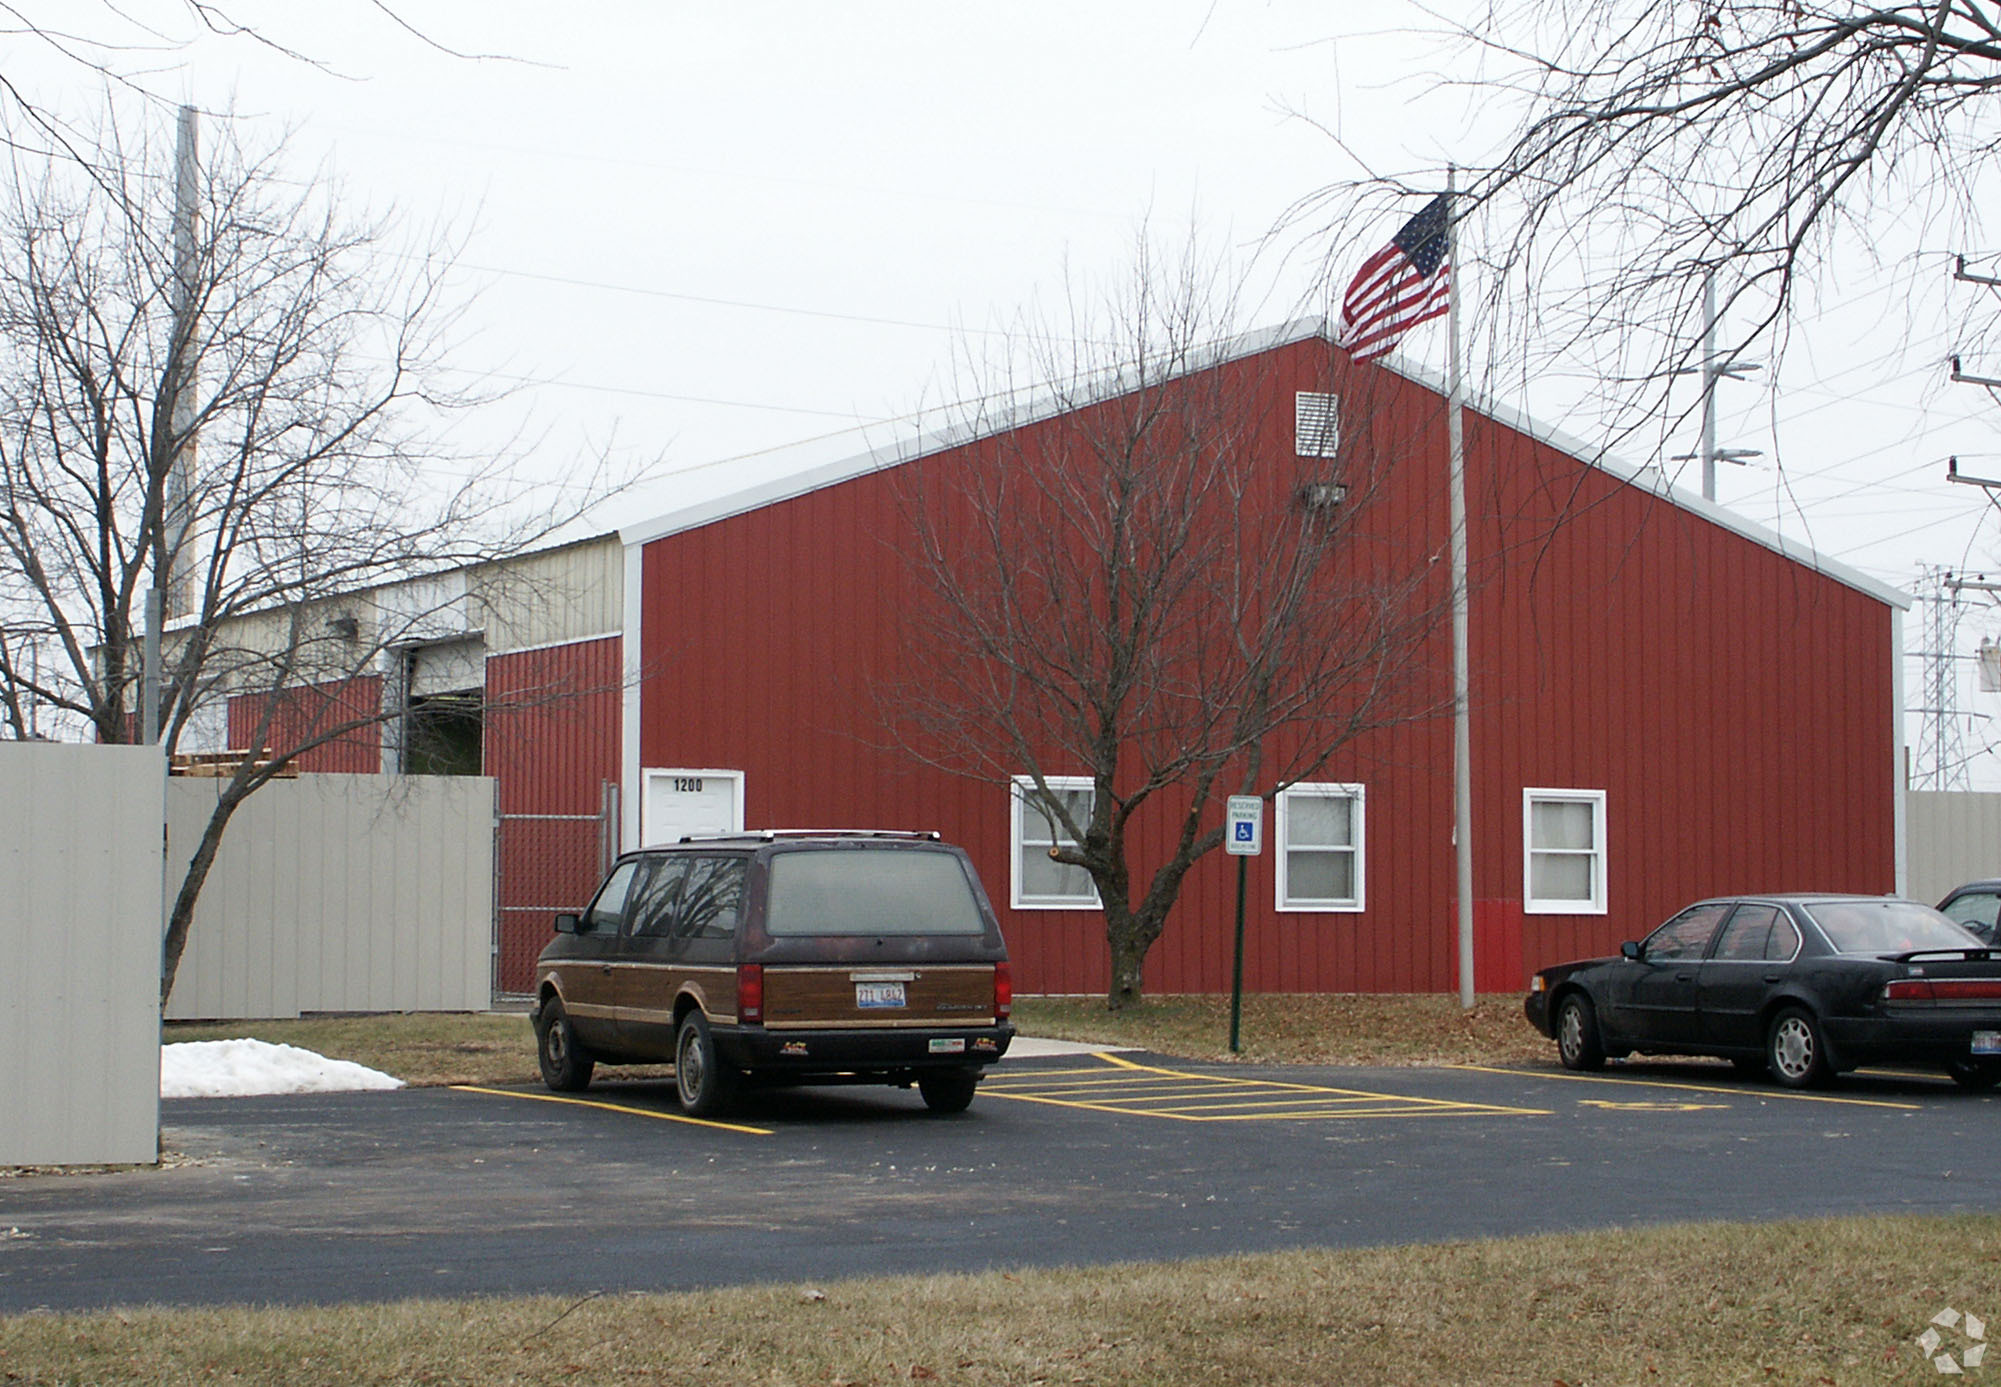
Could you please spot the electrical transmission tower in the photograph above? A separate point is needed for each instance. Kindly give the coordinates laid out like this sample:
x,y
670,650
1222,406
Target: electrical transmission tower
x,y
1940,759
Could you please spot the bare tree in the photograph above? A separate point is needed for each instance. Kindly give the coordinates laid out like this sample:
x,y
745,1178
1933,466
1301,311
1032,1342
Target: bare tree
x,y
1660,142
126,48
251,422
1133,582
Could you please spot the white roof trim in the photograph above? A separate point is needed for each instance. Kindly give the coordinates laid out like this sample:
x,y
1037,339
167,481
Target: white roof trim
x,y
918,442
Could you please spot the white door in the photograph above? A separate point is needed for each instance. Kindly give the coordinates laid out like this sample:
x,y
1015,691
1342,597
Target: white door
x,y
682,802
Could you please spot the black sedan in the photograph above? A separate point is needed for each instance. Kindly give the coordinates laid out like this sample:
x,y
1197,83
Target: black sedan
x,y
1805,986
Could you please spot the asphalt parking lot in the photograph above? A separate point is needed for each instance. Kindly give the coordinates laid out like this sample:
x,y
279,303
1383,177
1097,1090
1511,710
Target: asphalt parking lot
x,y
1076,1159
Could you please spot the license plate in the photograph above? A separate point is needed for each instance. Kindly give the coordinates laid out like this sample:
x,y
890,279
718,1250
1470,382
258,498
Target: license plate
x,y
1987,1042
871,995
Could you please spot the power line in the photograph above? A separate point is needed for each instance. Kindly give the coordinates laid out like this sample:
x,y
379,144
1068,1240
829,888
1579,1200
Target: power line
x,y
850,415
734,303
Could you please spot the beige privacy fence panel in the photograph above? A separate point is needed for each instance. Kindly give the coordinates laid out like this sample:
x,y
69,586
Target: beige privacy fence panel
x,y
80,872
1953,837
339,893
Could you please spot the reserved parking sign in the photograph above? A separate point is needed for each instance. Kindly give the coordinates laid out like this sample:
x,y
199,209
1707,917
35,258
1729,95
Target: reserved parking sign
x,y
1246,833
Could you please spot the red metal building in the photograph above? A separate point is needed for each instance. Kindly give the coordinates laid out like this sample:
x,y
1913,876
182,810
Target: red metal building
x,y
1667,702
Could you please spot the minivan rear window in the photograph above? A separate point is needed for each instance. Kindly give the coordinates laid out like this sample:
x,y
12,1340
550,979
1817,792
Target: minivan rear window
x,y
853,891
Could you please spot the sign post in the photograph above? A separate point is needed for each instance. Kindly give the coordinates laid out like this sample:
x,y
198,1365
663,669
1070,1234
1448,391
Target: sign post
x,y
1244,839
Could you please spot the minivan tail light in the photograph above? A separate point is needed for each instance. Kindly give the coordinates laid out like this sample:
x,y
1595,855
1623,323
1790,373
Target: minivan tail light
x,y
750,993
1003,991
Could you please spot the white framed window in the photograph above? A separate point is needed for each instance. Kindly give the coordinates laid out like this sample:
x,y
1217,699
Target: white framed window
x,y
1319,837
1316,424
1035,882
1563,852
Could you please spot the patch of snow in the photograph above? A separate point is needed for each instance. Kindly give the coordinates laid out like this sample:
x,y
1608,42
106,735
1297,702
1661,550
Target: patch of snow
x,y
1028,1048
246,1068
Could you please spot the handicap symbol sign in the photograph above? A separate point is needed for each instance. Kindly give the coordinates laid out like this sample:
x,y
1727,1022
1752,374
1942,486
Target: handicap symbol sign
x,y
1246,824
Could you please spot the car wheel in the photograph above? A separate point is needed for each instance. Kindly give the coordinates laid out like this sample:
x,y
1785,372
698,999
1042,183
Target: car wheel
x,y
566,1065
1796,1049
948,1092
703,1084
1978,1075
1577,1041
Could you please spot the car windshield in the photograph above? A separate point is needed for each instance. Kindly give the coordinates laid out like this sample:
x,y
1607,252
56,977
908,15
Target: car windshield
x,y
1977,910
1886,927
863,891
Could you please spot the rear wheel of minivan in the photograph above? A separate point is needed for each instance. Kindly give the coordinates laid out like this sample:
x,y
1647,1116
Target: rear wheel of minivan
x,y
704,1085
948,1092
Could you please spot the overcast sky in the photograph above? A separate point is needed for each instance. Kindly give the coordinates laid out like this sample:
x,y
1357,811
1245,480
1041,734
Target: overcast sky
x,y
731,238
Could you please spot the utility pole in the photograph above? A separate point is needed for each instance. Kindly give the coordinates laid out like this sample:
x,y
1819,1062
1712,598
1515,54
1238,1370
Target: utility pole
x,y
1940,686
1960,271
1713,369
168,595
187,274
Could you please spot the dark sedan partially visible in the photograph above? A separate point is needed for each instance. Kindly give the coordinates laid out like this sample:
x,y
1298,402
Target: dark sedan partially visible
x,y
1803,986
1976,905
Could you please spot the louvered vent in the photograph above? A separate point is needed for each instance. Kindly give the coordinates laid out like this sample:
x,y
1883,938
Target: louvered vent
x,y
1316,426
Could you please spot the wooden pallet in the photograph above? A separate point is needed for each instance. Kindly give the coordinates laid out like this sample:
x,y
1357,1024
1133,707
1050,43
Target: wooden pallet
x,y
222,765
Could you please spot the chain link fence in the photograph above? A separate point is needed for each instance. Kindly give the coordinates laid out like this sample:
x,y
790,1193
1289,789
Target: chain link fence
x,y
544,863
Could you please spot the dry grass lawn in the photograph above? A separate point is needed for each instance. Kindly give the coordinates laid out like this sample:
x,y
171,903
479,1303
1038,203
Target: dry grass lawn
x,y
1825,1304
1278,1028
1285,1029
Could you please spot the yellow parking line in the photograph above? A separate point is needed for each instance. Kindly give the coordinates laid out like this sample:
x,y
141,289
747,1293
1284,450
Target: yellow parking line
x,y
1349,1115
615,1107
1792,1094
1934,1075
1281,1100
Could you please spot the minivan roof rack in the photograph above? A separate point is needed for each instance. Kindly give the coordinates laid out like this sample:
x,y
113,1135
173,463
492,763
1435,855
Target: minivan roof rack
x,y
766,835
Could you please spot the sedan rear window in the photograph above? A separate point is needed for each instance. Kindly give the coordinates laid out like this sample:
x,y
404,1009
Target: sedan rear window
x,y
1886,927
855,891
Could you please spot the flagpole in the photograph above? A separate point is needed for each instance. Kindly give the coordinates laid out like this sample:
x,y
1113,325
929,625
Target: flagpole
x,y
1462,734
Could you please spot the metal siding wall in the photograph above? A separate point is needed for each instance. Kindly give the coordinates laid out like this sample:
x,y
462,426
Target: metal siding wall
x,y
1733,705
300,710
339,893
80,870
552,598
1955,837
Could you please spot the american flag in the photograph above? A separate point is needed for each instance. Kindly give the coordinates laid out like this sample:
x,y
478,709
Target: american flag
x,y
1403,284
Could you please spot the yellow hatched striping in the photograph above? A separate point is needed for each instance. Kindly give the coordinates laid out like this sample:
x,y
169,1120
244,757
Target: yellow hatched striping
x,y
1142,1090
